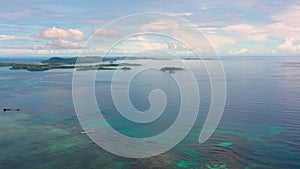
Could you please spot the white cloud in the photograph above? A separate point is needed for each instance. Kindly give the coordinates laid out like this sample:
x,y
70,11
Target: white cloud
x,y
184,14
153,46
278,30
160,26
209,30
106,33
219,41
238,52
287,23
289,17
240,28
63,44
204,8
246,31
137,38
15,51
146,43
172,46
289,45
140,46
56,33
16,15
7,37
188,33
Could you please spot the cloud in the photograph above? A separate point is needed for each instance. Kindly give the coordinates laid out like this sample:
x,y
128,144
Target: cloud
x,y
7,37
172,46
204,8
238,52
289,16
287,23
56,33
141,44
219,41
289,45
137,38
247,31
63,44
21,12
189,33
153,46
278,30
106,33
184,14
160,26
15,15
208,30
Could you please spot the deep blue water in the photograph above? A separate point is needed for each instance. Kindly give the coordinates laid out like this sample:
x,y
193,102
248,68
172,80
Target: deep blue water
x,y
260,121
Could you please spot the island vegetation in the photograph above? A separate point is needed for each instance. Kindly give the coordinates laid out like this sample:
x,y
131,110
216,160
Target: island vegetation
x,y
69,63
88,59
171,70
87,63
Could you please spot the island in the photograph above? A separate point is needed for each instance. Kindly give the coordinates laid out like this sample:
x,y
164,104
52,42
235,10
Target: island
x,y
171,70
69,63
89,59
125,68
73,60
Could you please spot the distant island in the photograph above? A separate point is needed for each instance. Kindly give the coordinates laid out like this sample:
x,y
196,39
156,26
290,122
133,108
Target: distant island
x,y
89,59
34,67
171,70
86,64
69,63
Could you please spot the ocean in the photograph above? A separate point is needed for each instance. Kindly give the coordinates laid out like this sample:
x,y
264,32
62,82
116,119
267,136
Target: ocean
x,y
259,128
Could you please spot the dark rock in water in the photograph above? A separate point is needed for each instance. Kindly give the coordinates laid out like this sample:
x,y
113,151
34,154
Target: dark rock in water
x,y
7,109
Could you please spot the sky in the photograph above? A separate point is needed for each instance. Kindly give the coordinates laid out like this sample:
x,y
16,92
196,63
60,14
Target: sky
x,y
66,27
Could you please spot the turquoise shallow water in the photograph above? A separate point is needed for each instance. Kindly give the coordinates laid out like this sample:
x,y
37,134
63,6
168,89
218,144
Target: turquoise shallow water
x,y
259,128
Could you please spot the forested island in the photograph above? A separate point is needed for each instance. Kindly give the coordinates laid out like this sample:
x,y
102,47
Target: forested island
x,y
69,63
171,70
85,64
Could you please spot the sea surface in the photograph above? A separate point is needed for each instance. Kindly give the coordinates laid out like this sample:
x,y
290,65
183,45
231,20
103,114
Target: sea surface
x,y
260,127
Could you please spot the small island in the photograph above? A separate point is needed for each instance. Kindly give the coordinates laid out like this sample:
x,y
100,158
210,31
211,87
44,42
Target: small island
x,y
125,68
171,70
